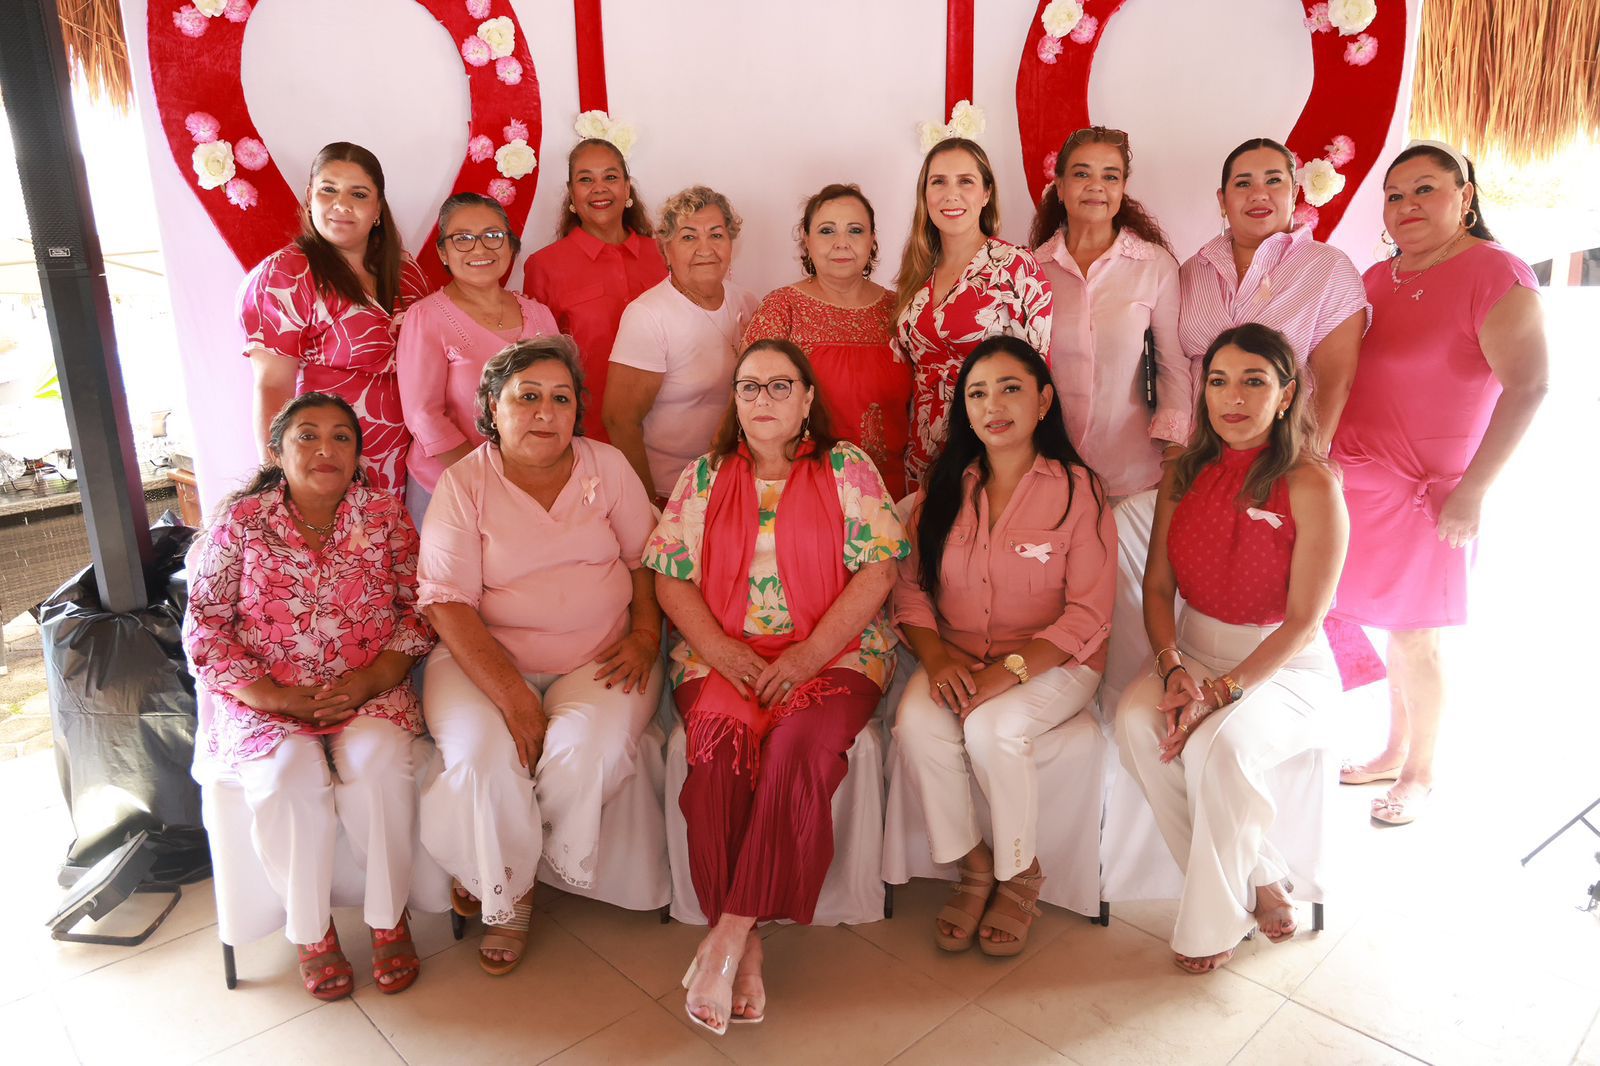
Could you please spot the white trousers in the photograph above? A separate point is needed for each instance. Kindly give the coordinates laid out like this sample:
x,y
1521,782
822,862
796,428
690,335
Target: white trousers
x,y
1212,803
298,804
993,748
485,819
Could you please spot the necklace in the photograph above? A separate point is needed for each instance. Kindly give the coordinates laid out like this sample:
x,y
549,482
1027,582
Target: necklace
x,y
322,532
1399,282
500,302
732,342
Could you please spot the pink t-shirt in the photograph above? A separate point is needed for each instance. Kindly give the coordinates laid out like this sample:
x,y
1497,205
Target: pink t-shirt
x,y
694,350
553,586
440,356
1097,357
1045,570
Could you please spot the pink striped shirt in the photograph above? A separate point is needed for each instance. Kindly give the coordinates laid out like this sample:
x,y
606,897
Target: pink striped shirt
x,y
1298,286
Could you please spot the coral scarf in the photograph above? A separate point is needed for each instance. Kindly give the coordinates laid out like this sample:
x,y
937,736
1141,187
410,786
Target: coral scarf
x,y
810,543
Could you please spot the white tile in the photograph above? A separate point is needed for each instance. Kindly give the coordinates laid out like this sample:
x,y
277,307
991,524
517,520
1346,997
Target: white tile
x,y
975,1036
33,1032
647,1035
1305,1038
332,1033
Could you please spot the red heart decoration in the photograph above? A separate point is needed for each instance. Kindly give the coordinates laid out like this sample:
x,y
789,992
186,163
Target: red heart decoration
x,y
198,71
1355,101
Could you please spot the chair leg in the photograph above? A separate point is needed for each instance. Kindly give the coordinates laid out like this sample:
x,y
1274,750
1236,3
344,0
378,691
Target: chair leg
x,y
1316,917
458,925
230,975
666,914
888,900
1105,915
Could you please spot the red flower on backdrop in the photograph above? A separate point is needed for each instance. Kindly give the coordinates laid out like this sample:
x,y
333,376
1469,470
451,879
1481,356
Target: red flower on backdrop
x,y
194,64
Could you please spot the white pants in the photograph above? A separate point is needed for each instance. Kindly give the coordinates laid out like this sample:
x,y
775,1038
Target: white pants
x,y
1212,803
486,820
997,742
298,804
1128,649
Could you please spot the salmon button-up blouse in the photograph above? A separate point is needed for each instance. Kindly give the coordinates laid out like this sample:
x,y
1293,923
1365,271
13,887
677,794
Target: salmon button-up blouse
x,y
1045,570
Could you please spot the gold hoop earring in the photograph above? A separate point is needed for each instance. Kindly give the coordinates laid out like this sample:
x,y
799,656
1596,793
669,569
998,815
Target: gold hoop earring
x,y
1469,223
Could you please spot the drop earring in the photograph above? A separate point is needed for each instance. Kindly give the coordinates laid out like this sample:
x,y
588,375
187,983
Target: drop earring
x,y
1383,235
1282,413
805,429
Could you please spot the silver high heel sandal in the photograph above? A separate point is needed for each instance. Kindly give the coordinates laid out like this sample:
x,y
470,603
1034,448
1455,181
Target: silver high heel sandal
x,y
722,1007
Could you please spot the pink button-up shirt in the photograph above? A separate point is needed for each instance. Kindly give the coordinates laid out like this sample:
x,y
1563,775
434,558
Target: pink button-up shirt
x,y
1045,570
553,586
441,354
1097,357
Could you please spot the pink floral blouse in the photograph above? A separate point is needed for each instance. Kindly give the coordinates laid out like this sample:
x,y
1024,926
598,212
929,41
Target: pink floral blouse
x,y
263,604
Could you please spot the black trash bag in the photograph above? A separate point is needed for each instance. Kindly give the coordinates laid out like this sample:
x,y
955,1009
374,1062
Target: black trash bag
x,y
123,711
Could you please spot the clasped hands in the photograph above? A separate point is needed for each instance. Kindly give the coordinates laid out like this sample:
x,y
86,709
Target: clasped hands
x,y
962,685
330,704
1185,705
769,682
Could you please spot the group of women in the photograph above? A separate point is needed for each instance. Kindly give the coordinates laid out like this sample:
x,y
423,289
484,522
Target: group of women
x,y
636,436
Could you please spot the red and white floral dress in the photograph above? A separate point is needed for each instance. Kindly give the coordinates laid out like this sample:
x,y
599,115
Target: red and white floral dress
x,y
1002,291
263,604
343,348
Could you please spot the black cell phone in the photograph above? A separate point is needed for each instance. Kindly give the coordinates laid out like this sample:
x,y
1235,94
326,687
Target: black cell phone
x,y
1150,368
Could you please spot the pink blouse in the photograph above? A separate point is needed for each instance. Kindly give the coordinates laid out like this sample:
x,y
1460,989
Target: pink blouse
x,y
1045,570
553,586
263,604
1097,357
441,355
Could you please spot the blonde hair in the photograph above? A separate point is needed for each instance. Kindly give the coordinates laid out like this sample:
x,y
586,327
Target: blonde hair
x,y
681,205
922,250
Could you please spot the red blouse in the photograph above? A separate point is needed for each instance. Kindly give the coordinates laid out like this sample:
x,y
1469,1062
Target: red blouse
x,y
1231,560
586,283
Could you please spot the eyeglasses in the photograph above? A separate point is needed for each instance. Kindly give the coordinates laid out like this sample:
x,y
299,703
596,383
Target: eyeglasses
x,y
1100,135
492,239
748,389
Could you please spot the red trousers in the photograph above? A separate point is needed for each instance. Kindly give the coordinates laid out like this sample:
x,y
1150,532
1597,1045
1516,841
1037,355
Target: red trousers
x,y
762,852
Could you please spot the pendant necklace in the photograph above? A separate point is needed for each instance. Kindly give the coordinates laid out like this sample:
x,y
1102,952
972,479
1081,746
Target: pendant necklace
x,y
1394,267
731,342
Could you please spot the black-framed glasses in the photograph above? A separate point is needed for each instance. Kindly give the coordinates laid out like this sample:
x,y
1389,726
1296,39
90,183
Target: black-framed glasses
x,y
493,239
779,389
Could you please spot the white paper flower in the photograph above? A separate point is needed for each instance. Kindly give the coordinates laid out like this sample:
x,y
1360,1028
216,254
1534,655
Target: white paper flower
x,y
210,8
931,133
516,159
213,164
1061,17
966,120
500,34
1320,181
599,126
1350,17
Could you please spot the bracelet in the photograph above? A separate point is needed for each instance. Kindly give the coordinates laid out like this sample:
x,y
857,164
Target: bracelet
x,y
1169,673
1173,648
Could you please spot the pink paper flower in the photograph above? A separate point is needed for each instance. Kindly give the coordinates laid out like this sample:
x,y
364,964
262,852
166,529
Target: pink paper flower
x,y
1050,165
480,148
1317,20
503,190
250,153
1305,216
1341,151
475,50
478,9
237,11
241,194
202,127
1361,51
516,130
189,21
508,70
1084,31
1049,48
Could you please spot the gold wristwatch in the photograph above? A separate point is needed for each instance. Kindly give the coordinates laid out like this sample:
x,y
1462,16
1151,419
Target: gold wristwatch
x,y
1017,665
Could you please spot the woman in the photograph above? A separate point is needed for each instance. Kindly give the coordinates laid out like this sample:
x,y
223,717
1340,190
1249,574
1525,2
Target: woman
x,y
302,622
449,336
774,558
1262,270
321,314
547,669
677,343
1115,285
1008,507
1251,530
1458,312
958,285
604,256
843,321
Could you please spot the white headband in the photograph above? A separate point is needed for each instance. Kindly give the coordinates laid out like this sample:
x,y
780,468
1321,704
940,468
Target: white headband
x,y
1440,146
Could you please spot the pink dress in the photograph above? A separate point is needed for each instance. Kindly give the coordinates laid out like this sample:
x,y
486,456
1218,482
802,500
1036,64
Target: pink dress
x,y
1417,412
440,356
342,348
263,604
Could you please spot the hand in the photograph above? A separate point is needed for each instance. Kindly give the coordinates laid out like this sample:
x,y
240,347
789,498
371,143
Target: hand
x,y
304,703
799,663
351,691
1458,518
950,680
629,661
738,663
1182,690
1184,723
990,681
526,722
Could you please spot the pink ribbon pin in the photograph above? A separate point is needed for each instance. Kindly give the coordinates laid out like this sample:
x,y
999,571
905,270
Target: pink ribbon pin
x,y
1040,552
590,484
1271,519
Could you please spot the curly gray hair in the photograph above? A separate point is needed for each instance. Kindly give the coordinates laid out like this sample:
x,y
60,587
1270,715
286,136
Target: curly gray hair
x,y
681,205
513,360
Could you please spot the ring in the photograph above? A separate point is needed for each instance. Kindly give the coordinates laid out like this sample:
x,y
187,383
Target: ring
x,y
944,684
1183,727
748,679
788,684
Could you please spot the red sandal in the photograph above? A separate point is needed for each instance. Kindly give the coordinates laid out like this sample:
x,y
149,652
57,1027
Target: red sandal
x,y
393,952
322,963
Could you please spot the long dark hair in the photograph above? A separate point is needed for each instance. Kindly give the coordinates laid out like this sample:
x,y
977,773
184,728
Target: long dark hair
x,y
269,475
818,424
1479,228
635,219
942,498
1289,441
328,268
1132,215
